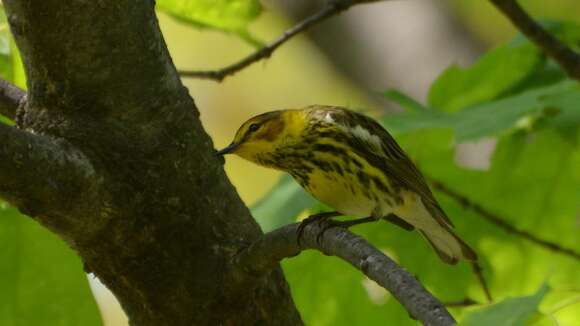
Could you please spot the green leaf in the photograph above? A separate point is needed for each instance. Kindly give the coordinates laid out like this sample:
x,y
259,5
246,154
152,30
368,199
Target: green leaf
x,y
231,16
11,67
557,105
562,112
569,33
533,183
282,204
405,101
18,73
509,312
502,115
492,75
42,280
405,122
330,292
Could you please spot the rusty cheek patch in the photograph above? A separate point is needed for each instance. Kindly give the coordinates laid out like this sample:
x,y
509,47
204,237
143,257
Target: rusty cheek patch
x,y
272,130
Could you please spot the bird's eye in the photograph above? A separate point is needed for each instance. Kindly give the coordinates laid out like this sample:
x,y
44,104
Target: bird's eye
x,y
253,127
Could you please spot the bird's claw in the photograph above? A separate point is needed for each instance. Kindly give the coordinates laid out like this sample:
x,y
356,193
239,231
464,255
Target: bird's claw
x,y
329,225
326,217
321,217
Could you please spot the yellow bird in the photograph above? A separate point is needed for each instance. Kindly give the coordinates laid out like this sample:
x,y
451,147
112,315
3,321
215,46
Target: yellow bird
x,y
352,164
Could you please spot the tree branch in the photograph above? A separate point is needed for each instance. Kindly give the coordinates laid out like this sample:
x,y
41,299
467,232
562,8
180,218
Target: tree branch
x,y
264,254
565,56
333,7
36,172
11,97
502,222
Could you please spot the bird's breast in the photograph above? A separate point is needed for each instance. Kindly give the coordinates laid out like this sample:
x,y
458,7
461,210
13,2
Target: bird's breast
x,y
344,193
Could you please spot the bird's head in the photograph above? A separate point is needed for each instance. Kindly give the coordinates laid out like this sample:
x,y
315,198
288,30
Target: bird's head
x,y
261,136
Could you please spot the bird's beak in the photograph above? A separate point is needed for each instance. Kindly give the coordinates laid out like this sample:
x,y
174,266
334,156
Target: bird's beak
x,y
231,147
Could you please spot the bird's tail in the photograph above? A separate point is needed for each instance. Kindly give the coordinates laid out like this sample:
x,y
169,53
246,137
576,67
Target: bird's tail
x,y
449,247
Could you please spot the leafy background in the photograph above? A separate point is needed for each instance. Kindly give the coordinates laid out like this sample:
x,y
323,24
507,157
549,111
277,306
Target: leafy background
x,y
512,96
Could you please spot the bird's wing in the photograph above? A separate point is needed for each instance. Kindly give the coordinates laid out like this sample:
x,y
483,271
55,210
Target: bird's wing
x,y
382,151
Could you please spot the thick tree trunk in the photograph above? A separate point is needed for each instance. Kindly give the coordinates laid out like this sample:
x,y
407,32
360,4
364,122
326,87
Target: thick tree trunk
x,y
123,170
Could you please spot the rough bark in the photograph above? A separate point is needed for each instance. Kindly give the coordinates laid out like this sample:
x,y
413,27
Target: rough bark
x,y
125,172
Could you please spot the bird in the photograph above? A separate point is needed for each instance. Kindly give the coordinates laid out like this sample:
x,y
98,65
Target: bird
x,y
350,163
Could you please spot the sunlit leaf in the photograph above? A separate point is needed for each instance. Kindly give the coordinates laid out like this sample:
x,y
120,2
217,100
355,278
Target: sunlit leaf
x,y
42,280
405,101
493,74
226,15
500,116
509,312
330,292
533,185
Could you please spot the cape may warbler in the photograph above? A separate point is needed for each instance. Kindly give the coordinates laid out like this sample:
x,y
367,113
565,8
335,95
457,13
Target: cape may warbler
x,y
350,163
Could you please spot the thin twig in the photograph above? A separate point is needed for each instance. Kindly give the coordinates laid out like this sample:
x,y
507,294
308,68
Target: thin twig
x,y
502,222
265,254
10,99
333,7
565,56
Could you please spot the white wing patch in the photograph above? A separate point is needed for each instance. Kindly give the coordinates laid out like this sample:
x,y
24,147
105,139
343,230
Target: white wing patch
x,y
357,131
328,118
364,134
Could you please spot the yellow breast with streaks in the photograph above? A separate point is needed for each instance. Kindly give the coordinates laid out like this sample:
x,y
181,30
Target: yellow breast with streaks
x,y
346,194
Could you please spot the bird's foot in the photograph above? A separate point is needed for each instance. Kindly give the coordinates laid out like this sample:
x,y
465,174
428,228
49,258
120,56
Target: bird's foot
x,y
342,224
320,217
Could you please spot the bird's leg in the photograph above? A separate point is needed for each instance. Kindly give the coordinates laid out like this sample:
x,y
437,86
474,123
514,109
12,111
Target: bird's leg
x,y
314,218
350,223
392,218
344,224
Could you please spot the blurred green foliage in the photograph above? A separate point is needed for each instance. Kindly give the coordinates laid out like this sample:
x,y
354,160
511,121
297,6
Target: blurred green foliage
x,y
493,74
554,104
42,280
533,183
509,312
485,22
282,205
